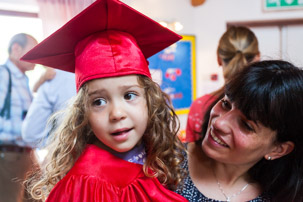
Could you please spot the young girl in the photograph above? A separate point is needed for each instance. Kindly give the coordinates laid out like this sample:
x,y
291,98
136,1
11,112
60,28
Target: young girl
x,y
118,141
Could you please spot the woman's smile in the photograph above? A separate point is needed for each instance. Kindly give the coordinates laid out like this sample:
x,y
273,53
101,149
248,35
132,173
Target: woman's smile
x,y
216,138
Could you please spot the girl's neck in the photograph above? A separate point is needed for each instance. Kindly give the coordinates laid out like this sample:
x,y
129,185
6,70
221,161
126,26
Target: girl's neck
x,y
135,155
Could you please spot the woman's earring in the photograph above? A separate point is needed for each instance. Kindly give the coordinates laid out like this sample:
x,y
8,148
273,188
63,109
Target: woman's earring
x,y
269,158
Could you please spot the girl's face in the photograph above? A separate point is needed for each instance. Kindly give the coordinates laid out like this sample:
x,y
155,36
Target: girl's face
x,y
118,112
233,139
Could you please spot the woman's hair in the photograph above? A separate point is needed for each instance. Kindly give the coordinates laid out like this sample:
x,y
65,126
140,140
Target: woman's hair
x,y
163,146
237,47
271,93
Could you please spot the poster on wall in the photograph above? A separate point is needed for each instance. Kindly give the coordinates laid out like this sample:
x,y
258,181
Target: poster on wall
x,y
174,70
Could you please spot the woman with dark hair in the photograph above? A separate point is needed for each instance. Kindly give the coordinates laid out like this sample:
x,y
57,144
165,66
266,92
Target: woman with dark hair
x,y
251,149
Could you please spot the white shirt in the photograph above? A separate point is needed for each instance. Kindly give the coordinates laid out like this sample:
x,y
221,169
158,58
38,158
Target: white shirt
x,y
53,95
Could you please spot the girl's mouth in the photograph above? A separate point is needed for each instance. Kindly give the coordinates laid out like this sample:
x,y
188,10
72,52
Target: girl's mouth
x,y
121,131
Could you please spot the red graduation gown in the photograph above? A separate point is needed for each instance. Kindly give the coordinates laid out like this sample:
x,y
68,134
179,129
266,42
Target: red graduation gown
x,y
100,176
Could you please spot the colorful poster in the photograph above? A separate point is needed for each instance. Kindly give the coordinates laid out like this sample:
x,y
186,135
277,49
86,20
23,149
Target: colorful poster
x,y
174,70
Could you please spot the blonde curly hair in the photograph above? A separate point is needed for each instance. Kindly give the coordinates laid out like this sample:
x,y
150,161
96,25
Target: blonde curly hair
x,y
163,147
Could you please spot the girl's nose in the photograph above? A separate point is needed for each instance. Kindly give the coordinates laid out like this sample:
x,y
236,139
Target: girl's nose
x,y
117,112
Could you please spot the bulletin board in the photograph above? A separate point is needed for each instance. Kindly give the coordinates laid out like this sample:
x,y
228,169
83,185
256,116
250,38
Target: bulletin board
x,y
174,69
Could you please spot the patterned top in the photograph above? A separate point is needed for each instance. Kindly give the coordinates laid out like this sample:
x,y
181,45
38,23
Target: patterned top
x,y
192,194
21,98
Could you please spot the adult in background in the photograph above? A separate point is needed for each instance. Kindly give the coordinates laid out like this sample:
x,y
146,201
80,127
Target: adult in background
x,y
15,99
237,47
251,149
52,96
48,75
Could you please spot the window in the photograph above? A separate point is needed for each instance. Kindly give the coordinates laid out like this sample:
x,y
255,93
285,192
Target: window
x,y
11,25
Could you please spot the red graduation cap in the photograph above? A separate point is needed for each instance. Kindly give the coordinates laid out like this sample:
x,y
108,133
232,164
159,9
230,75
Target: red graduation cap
x,y
106,39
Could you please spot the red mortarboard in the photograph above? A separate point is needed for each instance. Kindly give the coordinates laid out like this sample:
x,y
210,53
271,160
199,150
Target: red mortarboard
x,y
106,39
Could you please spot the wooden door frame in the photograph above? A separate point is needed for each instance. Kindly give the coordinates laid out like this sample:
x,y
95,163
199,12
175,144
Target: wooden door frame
x,y
18,13
266,23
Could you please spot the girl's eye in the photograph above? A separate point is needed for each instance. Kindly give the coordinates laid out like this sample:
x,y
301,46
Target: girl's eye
x,y
225,104
130,96
99,102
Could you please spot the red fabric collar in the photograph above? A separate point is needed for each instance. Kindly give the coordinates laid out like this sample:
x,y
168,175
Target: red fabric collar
x,y
97,162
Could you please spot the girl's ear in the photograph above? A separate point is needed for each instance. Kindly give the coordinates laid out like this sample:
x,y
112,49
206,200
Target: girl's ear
x,y
280,150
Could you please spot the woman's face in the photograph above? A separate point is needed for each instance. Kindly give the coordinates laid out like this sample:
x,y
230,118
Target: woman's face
x,y
233,139
118,112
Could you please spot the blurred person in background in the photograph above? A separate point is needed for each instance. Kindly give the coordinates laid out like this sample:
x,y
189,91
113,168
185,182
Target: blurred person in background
x,y
15,98
237,47
52,96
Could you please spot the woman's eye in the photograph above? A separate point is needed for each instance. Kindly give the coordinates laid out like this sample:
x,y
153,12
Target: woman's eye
x,y
99,102
130,96
248,126
225,104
